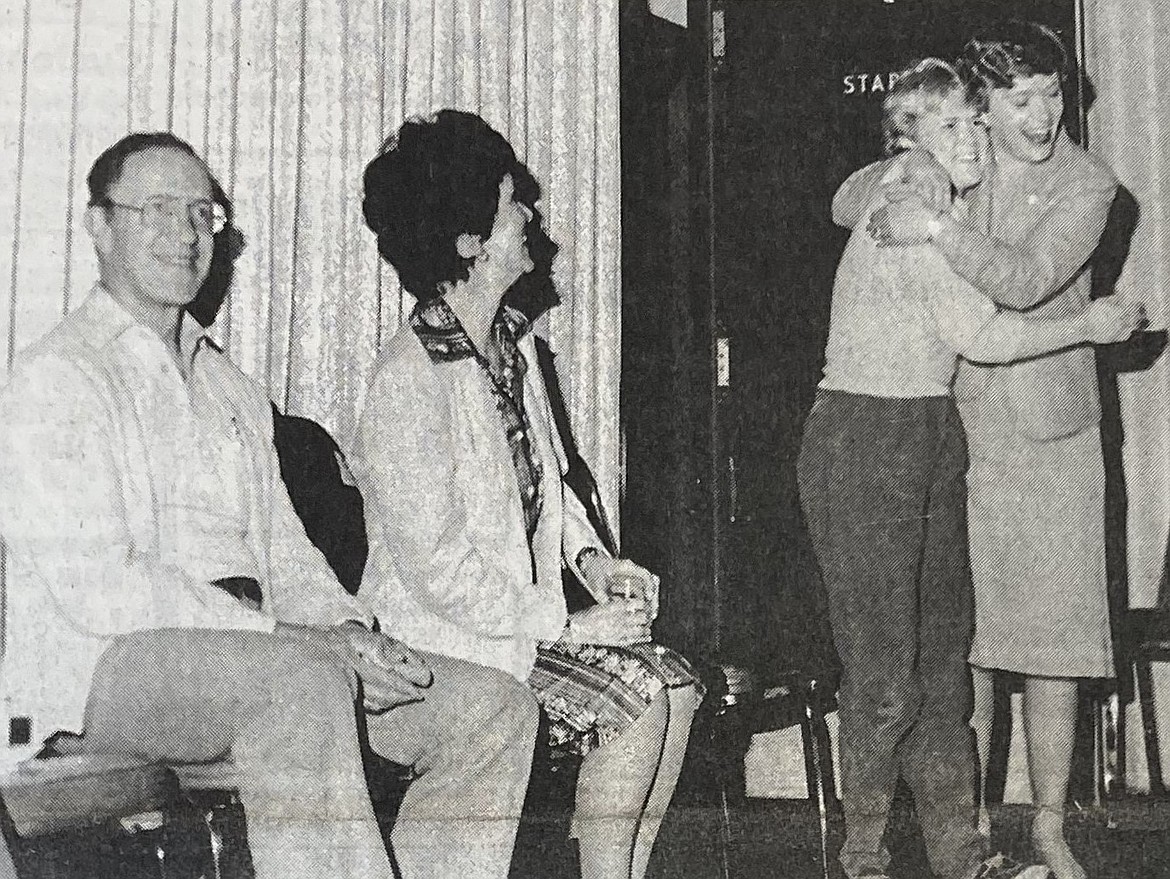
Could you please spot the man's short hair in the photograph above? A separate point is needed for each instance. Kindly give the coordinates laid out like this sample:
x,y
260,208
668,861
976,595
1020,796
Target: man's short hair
x,y
1015,49
919,90
107,169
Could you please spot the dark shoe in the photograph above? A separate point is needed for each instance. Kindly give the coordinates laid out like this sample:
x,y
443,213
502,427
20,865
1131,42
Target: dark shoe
x,y
1002,867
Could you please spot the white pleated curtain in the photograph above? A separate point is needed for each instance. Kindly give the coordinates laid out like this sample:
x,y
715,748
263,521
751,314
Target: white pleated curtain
x,y
288,99
1128,60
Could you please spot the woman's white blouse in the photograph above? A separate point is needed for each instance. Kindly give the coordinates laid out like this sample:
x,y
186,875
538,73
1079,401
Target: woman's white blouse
x,y
450,568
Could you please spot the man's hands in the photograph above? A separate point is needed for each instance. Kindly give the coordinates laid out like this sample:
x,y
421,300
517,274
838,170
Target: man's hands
x,y
390,673
1113,319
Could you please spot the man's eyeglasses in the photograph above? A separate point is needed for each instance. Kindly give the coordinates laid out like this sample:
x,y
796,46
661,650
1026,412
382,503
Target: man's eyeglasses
x,y
163,211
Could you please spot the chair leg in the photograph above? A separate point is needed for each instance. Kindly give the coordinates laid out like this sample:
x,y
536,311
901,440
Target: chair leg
x,y
7,835
1104,757
1122,780
215,841
7,868
1113,762
1144,684
724,831
820,767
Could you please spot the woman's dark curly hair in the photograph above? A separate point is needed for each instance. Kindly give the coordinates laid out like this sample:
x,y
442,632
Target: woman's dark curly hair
x,y
1012,49
435,179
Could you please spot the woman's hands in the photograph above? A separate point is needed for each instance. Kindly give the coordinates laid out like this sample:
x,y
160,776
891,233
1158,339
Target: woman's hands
x,y
618,623
923,177
921,193
901,223
621,579
629,603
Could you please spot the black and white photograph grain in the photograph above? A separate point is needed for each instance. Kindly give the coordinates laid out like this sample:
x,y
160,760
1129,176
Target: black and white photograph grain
x,y
584,439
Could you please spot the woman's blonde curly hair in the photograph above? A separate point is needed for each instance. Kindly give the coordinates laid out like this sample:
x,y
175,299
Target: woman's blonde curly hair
x,y
919,90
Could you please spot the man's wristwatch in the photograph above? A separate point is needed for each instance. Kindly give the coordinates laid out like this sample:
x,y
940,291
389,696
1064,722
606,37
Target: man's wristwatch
x,y
933,228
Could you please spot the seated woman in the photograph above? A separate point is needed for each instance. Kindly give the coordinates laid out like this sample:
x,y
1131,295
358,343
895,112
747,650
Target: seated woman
x,y
881,476
469,518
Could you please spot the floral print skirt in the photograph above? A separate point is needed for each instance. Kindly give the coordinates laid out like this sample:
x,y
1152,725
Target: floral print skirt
x,y
592,693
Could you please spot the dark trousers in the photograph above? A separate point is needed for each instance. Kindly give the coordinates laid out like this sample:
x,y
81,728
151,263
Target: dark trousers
x,y
883,491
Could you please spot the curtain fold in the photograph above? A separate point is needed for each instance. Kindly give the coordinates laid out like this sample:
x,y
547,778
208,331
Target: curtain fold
x,y
1128,61
1128,54
288,99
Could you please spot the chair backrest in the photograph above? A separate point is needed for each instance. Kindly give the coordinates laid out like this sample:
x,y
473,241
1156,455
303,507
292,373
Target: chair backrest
x,y
579,478
324,494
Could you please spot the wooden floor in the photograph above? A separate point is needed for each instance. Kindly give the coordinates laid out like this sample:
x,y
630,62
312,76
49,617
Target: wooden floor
x,y
767,839
779,839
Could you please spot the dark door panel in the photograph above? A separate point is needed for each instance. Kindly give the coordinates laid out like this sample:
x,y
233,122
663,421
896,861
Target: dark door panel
x,y
729,167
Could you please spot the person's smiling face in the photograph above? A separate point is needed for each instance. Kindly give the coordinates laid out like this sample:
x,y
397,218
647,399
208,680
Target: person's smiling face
x,y
156,260
953,133
1024,120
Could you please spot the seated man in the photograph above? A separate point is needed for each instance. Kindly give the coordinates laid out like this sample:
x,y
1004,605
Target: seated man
x,y
140,492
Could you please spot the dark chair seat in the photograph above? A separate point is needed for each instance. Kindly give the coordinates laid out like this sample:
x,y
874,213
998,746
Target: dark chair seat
x,y
46,796
744,705
1148,630
63,807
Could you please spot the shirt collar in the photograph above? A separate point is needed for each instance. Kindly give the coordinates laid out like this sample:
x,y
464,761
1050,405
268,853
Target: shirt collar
x,y
108,320
443,337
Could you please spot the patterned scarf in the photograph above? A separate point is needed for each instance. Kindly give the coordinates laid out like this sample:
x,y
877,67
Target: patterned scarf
x,y
445,340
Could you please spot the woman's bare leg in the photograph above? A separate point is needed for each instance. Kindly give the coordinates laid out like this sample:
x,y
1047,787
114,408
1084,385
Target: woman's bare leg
x,y
1050,716
612,792
682,704
982,721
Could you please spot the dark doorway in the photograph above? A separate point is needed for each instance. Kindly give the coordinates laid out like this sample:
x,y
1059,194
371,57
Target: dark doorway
x,y
736,131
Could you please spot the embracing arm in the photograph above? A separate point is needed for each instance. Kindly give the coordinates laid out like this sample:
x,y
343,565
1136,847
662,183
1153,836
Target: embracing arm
x,y
1054,251
1009,336
62,513
970,323
912,174
857,193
